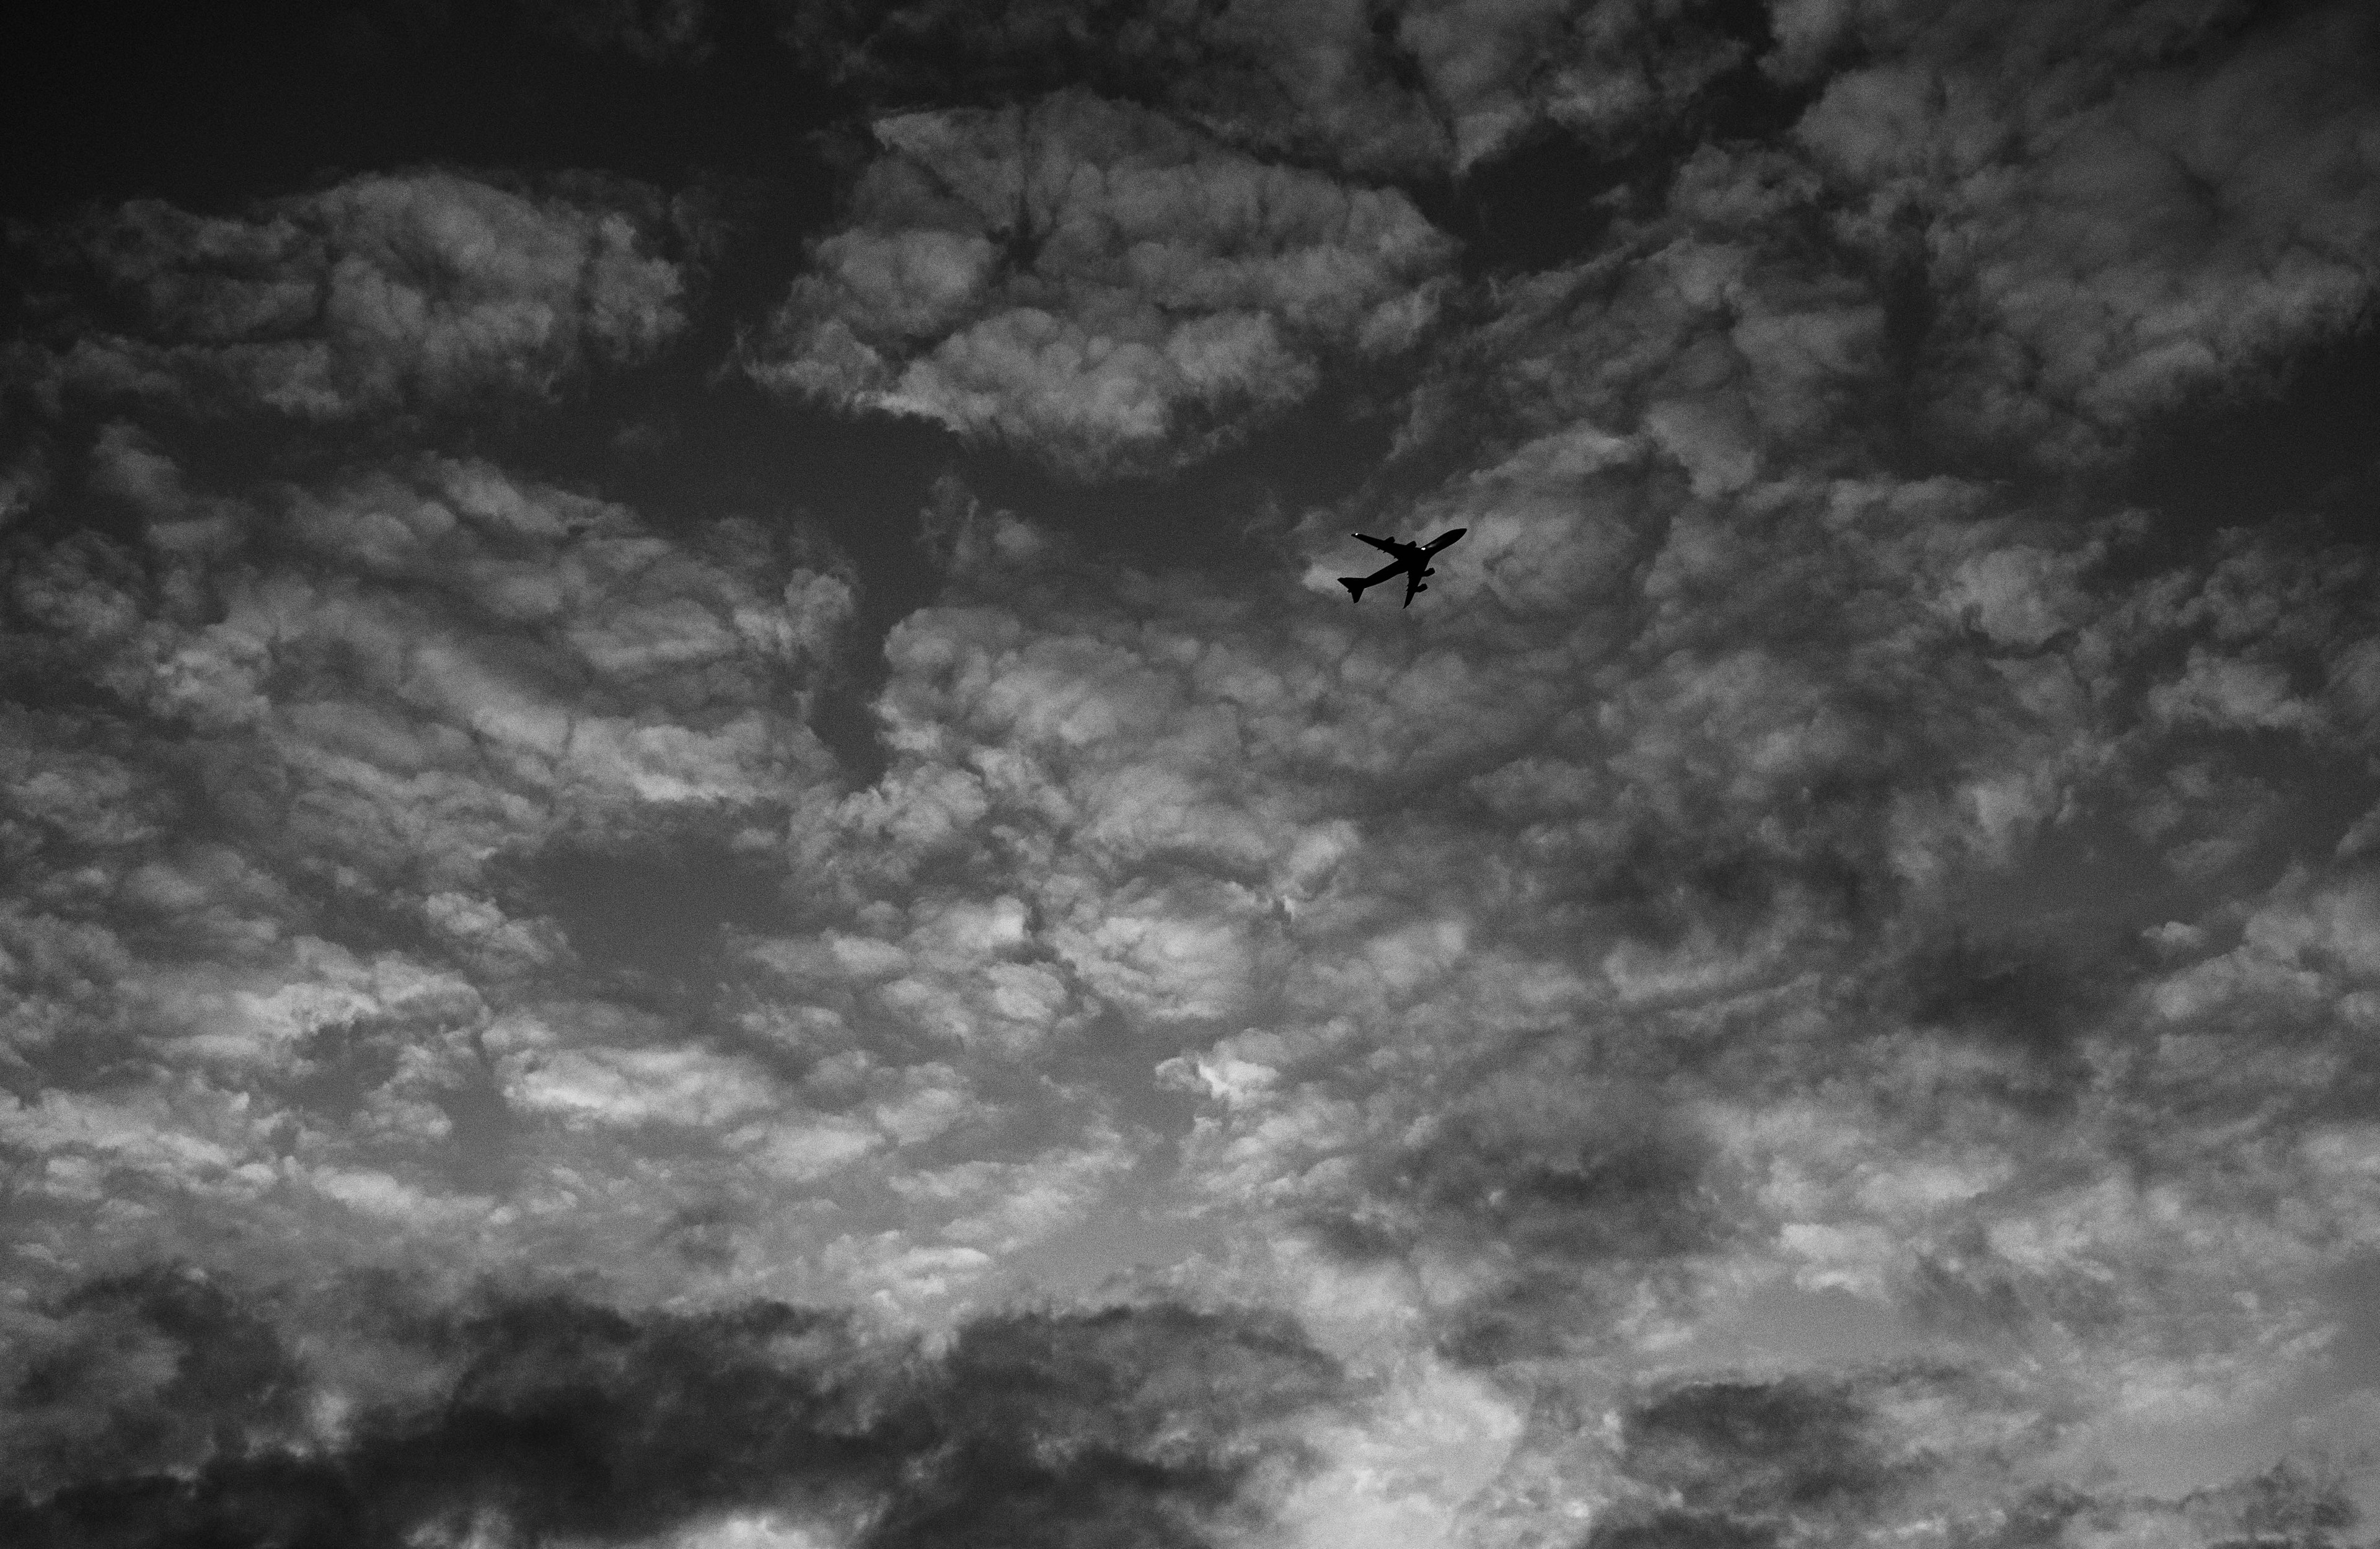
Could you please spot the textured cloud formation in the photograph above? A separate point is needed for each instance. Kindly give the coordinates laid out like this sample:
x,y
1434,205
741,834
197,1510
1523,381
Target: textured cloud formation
x,y
277,770
2098,243
533,1420
1377,89
1820,991
381,294
1959,259
1096,284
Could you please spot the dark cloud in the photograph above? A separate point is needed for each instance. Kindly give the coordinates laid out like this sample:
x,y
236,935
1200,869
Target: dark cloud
x,y
152,1371
1683,1530
2284,1505
566,1418
1141,1426
1753,1448
553,1416
1781,1462
558,1416
1559,1200
1871,1456
2034,998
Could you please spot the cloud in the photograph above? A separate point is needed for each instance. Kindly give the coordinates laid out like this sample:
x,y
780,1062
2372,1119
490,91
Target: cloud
x,y
1474,1009
1821,992
1097,284
376,695
2099,250
412,292
1146,1423
1406,89
1735,1448
1356,959
1782,1461
1985,245
545,1416
549,1415
149,1370
1429,1077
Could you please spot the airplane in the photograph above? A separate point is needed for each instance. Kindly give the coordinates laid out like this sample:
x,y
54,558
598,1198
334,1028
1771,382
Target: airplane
x,y
1413,563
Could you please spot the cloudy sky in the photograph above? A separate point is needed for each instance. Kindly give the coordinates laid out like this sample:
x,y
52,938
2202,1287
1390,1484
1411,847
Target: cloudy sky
x,y
694,852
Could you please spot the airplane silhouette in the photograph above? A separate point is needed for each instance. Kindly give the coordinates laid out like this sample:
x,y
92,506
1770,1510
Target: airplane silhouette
x,y
1413,563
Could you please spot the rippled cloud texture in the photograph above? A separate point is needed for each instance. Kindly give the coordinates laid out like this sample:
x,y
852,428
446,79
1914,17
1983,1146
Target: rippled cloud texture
x,y
1820,988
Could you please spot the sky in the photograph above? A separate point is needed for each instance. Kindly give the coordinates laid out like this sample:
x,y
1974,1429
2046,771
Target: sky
x,y
695,853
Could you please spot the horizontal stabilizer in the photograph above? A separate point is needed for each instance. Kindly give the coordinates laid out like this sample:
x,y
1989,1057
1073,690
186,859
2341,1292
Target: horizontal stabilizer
x,y
1354,587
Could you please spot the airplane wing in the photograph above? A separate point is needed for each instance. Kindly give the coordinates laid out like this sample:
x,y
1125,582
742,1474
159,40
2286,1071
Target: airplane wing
x,y
1386,545
1413,584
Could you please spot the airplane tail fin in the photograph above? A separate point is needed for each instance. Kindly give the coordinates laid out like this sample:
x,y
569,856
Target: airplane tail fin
x,y
1354,587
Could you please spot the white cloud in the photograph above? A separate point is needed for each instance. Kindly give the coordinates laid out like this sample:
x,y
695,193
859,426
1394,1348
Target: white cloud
x,y
1094,283
671,1085
1811,992
384,293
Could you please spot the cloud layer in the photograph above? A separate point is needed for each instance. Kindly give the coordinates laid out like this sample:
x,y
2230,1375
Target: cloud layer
x,y
533,1420
1096,284
1412,89
379,294
1820,991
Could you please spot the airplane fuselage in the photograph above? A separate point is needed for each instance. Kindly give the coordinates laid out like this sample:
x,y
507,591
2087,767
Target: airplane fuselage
x,y
1410,560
